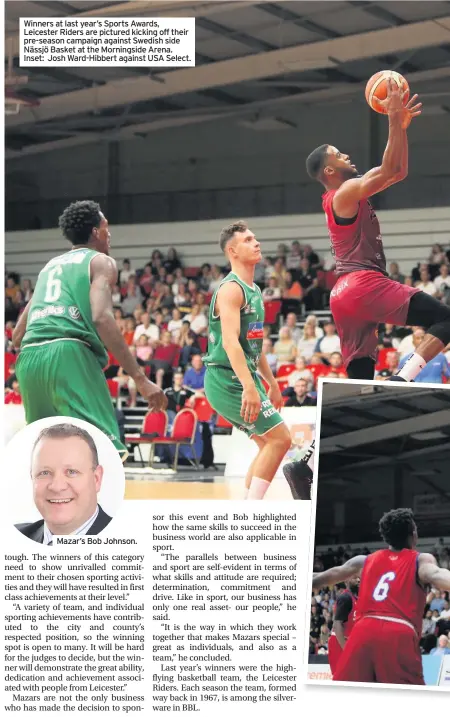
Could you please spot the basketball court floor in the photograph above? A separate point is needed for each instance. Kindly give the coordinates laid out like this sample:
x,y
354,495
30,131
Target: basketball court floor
x,y
189,484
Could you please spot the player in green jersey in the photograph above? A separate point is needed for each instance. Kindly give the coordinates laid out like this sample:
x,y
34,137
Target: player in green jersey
x,y
232,385
66,326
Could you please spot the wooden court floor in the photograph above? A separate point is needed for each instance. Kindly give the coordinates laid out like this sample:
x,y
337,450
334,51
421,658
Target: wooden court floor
x,y
193,485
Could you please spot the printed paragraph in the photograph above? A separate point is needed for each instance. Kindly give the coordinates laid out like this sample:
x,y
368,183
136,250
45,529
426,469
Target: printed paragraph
x,y
95,42
74,632
224,616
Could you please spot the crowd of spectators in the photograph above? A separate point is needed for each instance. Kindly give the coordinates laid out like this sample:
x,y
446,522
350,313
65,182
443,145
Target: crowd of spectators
x,y
435,638
162,312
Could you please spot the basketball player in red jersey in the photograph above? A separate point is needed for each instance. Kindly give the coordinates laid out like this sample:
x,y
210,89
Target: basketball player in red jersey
x,y
364,296
343,622
384,643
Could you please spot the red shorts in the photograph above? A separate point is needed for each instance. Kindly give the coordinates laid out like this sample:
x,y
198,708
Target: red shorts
x,y
381,651
359,302
334,653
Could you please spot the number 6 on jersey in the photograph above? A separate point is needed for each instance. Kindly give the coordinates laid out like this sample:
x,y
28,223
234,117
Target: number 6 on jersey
x,y
53,289
381,591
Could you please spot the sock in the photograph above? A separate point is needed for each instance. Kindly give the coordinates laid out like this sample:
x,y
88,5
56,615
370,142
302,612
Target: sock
x,y
305,455
412,367
309,457
258,488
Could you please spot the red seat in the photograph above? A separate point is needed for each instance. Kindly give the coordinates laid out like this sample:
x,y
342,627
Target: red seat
x,y
317,370
113,387
203,409
272,310
382,358
222,423
183,434
264,382
10,359
203,344
285,370
282,385
152,423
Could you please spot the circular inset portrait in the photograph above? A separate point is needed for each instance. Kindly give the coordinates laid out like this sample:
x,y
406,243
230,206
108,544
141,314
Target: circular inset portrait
x,y
68,479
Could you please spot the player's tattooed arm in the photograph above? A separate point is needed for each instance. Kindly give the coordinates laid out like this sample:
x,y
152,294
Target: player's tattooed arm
x,y
103,279
228,305
429,572
340,573
20,327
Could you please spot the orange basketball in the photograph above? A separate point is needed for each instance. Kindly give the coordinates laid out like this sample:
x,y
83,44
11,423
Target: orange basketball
x,y
376,88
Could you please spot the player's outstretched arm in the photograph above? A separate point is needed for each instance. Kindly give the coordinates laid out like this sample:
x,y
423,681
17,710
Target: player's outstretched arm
x,y
20,327
229,303
394,166
430,573
340,573
103,278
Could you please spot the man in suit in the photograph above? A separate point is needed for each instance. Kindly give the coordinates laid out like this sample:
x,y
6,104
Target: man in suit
x,y
66,478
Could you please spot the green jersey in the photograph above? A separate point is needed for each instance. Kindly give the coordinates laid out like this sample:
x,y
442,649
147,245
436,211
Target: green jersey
x,y
60,308
252,323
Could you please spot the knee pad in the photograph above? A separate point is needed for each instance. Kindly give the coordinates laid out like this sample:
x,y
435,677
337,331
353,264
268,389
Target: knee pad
x,y
441,331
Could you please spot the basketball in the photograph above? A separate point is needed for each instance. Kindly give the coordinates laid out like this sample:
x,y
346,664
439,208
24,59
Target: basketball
x,y
376,88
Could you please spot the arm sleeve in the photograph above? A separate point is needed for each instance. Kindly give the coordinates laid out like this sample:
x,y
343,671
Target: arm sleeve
x,y
343,607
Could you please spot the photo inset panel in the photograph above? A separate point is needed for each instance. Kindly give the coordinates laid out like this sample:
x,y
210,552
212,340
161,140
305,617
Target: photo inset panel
x,y
379,609
68,480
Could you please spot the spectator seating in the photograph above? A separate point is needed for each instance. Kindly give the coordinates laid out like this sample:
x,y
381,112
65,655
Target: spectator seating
x,y
203,409
183,434
272,311
114,388
285,370
154,426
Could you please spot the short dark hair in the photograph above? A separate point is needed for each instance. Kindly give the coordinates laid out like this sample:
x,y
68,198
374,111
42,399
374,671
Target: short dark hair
x,y
68,430
79,219
315,161
397,526
228,232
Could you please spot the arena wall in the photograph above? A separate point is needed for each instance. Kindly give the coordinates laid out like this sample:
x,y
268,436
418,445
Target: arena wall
x,y
407,234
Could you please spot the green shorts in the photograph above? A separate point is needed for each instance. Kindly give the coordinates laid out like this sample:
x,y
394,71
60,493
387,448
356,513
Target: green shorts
x,y
64,378
224,392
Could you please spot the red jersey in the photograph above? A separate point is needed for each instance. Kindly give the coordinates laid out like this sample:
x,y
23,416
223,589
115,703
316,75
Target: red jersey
x,y
390,587
345,608
356,246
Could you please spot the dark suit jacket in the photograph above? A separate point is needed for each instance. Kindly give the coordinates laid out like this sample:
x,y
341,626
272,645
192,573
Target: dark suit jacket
x,y
35,531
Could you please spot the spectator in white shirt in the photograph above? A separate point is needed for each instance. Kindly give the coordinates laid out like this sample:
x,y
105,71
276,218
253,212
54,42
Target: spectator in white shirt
x,y
294,257
151,331
312,319
329,343
425,284
174,325
272,291
125,272
198,321
301,371
442,281
307,343
291,323
216,278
